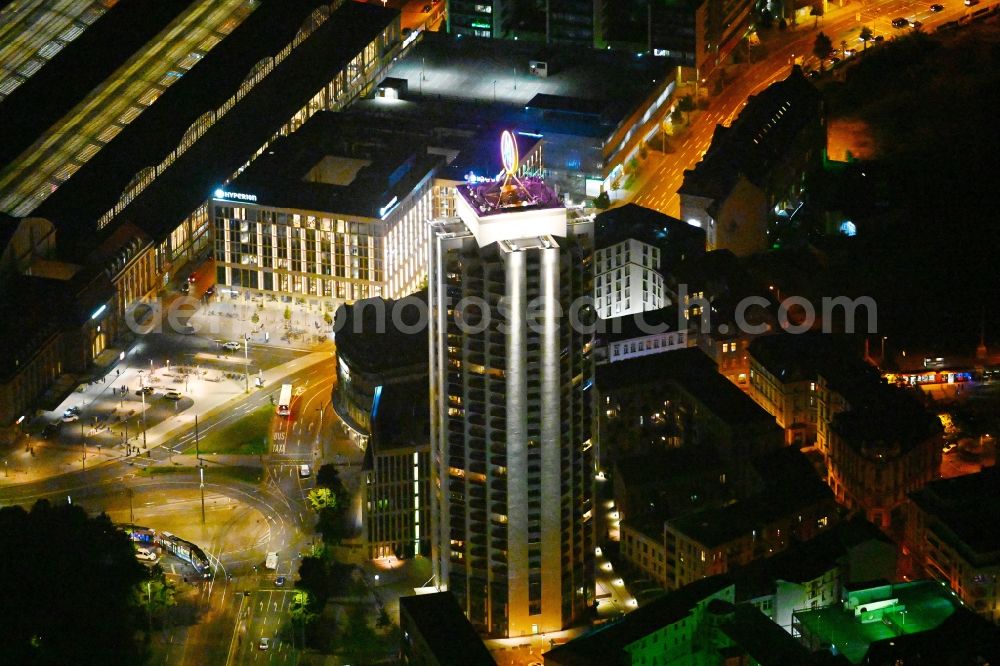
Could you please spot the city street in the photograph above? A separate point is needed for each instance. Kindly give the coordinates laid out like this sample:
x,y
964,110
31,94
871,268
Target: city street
x,y
665,173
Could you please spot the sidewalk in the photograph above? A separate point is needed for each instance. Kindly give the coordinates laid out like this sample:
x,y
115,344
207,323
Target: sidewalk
x,y
45,459
228,318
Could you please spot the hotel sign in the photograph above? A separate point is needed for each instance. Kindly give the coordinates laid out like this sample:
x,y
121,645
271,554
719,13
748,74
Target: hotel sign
x,y
235,196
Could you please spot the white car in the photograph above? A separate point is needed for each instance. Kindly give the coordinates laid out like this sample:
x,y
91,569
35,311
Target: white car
x,y
264,643
69,417
145,554
172,395
231,346
304,471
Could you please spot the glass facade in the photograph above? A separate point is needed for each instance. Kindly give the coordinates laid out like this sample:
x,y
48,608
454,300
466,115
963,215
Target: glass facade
x,y
323,256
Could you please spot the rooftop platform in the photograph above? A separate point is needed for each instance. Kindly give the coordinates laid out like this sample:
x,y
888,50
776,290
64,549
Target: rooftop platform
x,y
330,165
922,606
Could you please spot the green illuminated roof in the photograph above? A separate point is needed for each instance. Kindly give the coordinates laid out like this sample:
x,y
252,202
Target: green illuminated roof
x,y
923,606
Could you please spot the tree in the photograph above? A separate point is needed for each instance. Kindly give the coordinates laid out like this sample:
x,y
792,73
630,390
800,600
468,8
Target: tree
x,y
866,36
676,116
156,595
602,201
255,318
327,476
822,48
331,525
686,105
782,24
817,11
322,498
288,313
766,18
68,588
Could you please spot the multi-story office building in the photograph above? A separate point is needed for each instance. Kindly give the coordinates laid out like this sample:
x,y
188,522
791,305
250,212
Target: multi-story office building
x,y
701,34
577,22
480,18
324,218
511,405
381,400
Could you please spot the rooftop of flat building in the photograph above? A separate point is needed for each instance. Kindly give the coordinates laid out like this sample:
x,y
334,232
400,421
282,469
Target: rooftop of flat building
x,y
763,640
329,165
591,90
401,416
445,629
960,508
789,488
793,358
606,645
885,417
235,137
696,373
807,560
676,240
369,339
651,322
922,606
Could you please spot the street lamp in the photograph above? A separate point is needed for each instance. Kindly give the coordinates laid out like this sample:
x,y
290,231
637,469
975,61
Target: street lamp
x,y
142,392
246,360
884,338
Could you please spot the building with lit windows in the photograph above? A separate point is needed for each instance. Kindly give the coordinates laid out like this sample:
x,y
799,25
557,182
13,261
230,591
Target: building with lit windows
x,y
381,401
700,34
511,383
480,18
325,218
636,246
885,446
947,534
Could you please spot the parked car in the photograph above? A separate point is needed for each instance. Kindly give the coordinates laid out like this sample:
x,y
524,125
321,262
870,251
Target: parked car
x,y
173,395
73,410
69,417
210,291
231,346
902,22
916,25
280,581
971,3
145,554
51,429
937,8
949,448
850,52
148,390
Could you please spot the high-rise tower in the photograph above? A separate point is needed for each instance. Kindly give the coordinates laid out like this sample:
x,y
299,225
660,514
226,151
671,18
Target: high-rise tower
x,y
511,374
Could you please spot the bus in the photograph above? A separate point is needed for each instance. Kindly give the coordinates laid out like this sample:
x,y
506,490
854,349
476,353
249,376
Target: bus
x,y
285,400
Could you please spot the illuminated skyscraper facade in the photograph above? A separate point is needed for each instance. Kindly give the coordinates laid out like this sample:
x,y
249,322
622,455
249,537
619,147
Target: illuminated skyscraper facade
x,y
511,378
